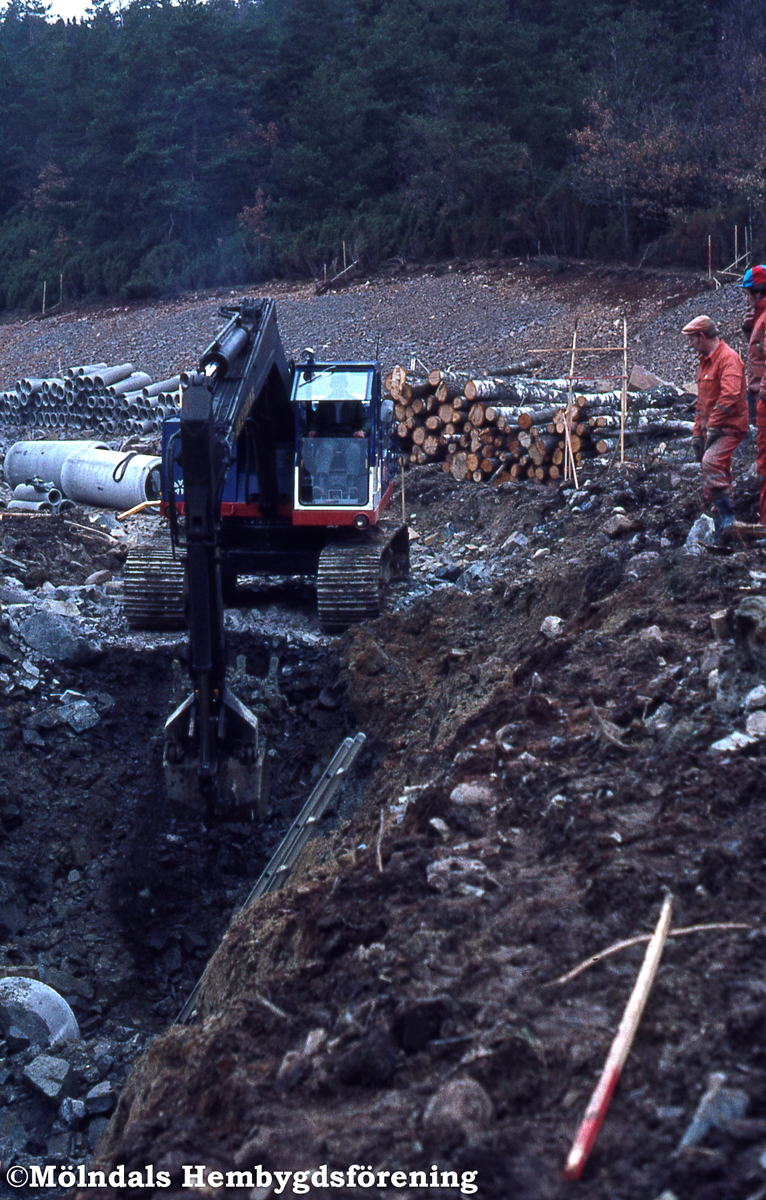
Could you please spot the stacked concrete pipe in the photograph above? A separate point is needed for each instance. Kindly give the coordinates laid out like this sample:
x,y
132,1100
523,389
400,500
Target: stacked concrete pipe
x,y
105,400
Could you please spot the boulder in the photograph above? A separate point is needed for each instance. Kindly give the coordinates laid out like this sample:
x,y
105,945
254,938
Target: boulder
x,y
468,794
100,1100
618,524
459,1113
51,1077
52,635
552,627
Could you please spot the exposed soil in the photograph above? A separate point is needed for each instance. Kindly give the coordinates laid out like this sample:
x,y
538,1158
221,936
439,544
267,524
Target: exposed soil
x,y
395,1004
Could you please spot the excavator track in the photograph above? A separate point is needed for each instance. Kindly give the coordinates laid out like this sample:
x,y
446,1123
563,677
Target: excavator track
x,y
349,584
154,589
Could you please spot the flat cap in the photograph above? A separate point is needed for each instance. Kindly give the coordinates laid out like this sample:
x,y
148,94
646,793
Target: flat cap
x,y
703,324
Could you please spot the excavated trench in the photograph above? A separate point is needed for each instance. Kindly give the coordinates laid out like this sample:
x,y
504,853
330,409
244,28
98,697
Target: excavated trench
x,y
107,892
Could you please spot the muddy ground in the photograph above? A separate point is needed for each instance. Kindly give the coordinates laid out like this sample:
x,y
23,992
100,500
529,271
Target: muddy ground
x,y
523,802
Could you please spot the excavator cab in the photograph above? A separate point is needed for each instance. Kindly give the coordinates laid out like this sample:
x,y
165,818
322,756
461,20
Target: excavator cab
x,y
334,443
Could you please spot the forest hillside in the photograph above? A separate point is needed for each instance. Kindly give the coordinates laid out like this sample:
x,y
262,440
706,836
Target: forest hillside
x,y
168,146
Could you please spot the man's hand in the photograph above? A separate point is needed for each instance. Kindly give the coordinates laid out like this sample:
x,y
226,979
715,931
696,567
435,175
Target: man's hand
x,y
359,433
712,436
698,446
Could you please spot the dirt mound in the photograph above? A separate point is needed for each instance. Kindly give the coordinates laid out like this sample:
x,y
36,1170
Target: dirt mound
x,y
529,801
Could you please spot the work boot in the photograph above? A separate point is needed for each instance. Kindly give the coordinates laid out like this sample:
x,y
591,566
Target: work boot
x,y
724,516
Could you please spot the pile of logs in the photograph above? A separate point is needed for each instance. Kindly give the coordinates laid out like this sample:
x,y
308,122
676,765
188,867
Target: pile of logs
x,y
502,429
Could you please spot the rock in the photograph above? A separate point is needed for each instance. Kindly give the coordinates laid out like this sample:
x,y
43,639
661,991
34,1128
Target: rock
x,y
618,524
643,380
756,724
711,659
100,1100
37,1010
464,875
477,573
79,715
66,984
755,697
315,1041
31,737
460,1112
98,577
441,827
53,635
701,534
750,624
552,627
472,793
517,538
733,741
72,1112
660,719
51,1077
642,564
16,1039
58,1147
653,636
13,1135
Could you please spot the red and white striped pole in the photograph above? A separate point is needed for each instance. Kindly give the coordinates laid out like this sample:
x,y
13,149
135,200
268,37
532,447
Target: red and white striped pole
x,y
599,1102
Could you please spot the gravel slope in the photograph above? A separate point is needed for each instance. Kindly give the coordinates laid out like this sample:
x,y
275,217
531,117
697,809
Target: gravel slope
x,y
469,319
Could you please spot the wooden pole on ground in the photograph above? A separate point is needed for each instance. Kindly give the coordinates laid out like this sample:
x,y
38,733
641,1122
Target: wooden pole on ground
x,y
620,1049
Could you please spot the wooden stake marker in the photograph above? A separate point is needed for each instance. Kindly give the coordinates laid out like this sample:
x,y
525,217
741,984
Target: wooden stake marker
x,y
591,1123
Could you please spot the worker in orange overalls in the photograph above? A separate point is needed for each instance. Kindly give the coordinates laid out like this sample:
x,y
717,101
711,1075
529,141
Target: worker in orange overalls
x,y
754,325
754,284
721,420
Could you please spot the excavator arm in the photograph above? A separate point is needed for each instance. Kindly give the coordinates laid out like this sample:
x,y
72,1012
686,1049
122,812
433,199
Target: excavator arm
x,y
212,741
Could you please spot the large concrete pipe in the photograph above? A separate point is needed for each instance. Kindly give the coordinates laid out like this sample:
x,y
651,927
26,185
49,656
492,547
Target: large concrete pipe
x,y
88,369
164,385
28,386
41,460
102,379
111,478
132,383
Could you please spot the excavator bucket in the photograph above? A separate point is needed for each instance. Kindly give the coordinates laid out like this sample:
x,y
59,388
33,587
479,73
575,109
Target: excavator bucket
x,y
239,784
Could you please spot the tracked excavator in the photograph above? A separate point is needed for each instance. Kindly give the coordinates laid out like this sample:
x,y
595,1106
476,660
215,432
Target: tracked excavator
x,y
271,467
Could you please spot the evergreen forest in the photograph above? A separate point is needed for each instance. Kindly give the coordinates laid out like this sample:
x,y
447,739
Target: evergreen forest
x,y
160,146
